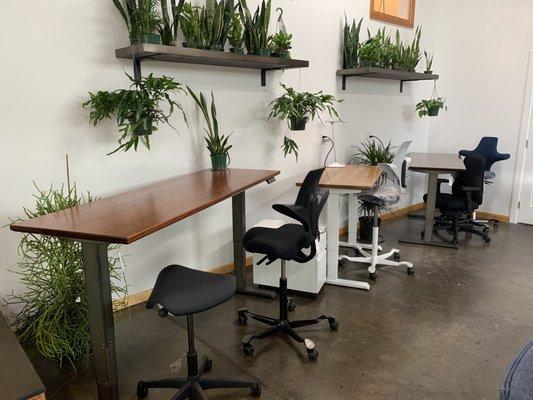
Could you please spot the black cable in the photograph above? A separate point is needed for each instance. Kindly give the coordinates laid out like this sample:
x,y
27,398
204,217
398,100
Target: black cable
x,y
330,150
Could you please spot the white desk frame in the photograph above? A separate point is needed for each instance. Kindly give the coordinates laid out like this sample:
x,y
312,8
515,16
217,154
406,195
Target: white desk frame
x,y
333,242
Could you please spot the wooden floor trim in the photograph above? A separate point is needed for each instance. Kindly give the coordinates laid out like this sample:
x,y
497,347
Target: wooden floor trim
x,y
490,215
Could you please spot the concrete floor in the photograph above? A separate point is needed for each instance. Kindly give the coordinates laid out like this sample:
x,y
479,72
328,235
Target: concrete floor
x,y
448,332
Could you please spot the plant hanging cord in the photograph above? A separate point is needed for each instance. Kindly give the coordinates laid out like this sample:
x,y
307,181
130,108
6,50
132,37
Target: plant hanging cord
x,y
434,94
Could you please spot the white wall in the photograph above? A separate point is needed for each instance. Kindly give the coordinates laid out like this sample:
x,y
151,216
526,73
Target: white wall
x,y
62,49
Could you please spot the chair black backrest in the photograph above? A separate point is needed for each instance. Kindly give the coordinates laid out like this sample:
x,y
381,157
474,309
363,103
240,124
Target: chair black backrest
x,y
473,176
311,199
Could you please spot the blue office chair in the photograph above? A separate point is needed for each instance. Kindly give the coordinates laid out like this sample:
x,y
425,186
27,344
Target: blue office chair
x,y
488,148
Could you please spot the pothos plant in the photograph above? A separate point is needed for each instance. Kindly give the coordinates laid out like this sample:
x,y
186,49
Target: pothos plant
x,y
138,110
431,107
298,108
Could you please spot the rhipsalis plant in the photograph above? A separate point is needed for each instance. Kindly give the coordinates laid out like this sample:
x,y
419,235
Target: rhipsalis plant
x,y
53,318
256,27
138,110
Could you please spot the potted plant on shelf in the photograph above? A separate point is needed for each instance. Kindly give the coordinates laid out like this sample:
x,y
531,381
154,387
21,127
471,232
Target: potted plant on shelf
x,y
142,20
280,44
138,110
351,43
256,27
168,27
370,52
371,152
431,107
235,36
298,108
215,22
217,144
429,62
191,26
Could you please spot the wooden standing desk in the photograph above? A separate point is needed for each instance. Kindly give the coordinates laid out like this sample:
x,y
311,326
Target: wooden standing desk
x,y
433,164
350,180
130,216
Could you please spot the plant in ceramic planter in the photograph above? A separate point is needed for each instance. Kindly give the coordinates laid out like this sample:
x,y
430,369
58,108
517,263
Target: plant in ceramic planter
x,y
216,143
52,317
191,26
256,27
138,110
141,18
429,62
235,35
431,107
298,108
351,43
280,44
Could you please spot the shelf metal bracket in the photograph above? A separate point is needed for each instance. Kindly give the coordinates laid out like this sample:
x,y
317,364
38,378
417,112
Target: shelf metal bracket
x,y
137,69
263,77
344,82
401,86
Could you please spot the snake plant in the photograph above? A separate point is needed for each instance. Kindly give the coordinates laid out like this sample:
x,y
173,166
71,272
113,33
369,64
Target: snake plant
x,y
140,16
256,27
351,42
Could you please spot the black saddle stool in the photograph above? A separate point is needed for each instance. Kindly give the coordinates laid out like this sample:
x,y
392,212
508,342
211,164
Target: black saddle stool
x,y
184,291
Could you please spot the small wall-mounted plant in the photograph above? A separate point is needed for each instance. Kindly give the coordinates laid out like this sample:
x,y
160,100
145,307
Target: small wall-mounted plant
x,y
429,62
216,143
138,110
298,108
431,107
142,20
256,27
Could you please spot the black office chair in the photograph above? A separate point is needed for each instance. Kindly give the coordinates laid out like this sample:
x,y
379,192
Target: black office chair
x,y
488,148
457,209
184,291
286,243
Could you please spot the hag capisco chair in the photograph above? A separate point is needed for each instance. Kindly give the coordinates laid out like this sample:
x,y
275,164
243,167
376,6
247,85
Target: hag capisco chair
x,y
385,196
457,209
286,243
488,148
184,291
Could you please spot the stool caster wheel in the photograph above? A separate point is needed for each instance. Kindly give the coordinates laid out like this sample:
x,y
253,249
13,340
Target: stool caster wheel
x,y
242,318
333,324
291,305
396,256
312,354
142,391
486,230
256,390
410,271
208,365
487,240
247,349
373,276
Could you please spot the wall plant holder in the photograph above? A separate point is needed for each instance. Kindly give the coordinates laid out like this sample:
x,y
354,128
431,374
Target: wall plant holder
x,y
143,51
385,73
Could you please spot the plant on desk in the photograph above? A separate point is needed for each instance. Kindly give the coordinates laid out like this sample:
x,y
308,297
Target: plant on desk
x,y
217,144
53,319
141,18
137,110
298,108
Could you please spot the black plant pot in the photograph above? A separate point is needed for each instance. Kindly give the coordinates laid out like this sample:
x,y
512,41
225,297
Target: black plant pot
x,y
141,131
237,50
297,124
149,38
366,225
429,72
262,52
433,111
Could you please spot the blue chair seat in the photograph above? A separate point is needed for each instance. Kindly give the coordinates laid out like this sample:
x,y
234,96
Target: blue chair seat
x,y
518,382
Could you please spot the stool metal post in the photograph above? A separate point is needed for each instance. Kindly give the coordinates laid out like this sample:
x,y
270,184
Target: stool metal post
x,y
192,358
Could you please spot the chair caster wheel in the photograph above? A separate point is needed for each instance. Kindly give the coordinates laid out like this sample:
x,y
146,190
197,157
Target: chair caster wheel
x,y
247,349
422,234
256,390
291,305
410,271
487,240
486,230
208,365
373,276
334,325
312,354
142,391
396,256
242,318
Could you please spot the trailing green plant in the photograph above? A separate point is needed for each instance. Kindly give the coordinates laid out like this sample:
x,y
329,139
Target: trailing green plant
x,y
138,110
351,43
190,21
301,107
373,152
431,107
216,143
235,34
429,62
140,16
256,27
53,318
280,44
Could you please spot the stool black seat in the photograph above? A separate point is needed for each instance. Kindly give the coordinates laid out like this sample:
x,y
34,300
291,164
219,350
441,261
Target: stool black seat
x,y
182,291
287,243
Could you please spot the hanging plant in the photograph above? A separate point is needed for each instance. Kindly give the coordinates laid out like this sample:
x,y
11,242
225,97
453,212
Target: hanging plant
x,y
298,108
53,318
280,43
431,107
137,110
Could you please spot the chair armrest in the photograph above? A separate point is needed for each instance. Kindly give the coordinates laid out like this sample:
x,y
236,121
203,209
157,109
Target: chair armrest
x,y
443,180
293,211
470,188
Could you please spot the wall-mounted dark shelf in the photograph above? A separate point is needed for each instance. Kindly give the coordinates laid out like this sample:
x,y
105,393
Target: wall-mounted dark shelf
x,y
385,73
144,51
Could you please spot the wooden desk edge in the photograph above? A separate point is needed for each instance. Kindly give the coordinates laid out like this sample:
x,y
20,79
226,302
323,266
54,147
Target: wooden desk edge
x,y
17,227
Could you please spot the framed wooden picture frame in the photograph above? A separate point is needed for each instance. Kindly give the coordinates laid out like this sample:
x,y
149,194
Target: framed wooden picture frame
x,y
397,12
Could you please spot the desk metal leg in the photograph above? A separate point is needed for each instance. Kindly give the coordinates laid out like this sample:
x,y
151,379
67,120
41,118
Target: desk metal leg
x,y
99,301
239,254
333,246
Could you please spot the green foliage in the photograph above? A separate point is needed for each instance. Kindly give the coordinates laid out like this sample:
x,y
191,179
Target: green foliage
x,y
256,27
168,27
54,318
373,152
191,25
236,37
137,109
370,52
140,16
351,42
280,43
290,147
429,62
216,144
425,106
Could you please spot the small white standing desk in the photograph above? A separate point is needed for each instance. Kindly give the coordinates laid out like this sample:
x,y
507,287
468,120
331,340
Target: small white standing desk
x,y
350,180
